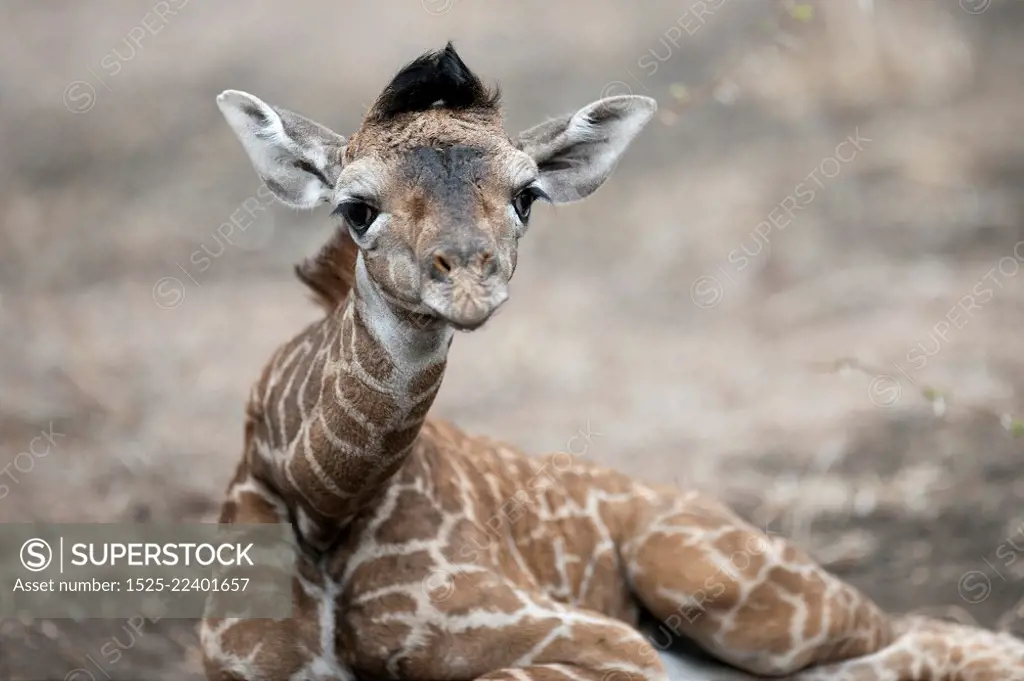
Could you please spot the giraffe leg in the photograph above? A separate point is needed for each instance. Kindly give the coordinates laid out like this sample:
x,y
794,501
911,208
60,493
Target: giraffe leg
x,y
484,627
754,601
238,649
258,650
928,649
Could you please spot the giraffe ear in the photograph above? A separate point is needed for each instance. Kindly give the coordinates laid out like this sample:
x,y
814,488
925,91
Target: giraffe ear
x,y
298,159
576,153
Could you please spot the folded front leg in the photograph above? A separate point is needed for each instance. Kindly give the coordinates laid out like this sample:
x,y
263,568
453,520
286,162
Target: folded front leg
x,y
484,627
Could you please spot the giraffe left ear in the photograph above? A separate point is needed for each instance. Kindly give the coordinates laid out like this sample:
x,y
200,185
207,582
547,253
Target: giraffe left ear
x,y
298,159
577,153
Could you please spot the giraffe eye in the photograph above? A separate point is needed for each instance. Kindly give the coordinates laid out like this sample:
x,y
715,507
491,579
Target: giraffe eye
x,y
359,214
523,202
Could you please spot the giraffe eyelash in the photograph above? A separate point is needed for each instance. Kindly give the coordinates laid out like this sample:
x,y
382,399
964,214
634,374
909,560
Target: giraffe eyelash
x,y
537,192
339,210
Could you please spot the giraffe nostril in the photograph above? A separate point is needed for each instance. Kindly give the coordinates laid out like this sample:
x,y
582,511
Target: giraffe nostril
x,y
488,265
441,264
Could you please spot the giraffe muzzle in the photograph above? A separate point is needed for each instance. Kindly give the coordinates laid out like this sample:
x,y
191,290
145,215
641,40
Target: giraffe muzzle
x,y
464,299
462,282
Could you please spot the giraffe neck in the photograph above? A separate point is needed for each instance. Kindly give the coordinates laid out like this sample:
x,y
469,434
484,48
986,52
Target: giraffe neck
x,y
378,378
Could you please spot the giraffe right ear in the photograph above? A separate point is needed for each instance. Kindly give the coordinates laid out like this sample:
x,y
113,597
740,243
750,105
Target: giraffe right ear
x,y
576,153
298,159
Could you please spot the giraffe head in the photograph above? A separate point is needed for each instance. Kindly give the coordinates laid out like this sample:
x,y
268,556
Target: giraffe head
x,y
431,194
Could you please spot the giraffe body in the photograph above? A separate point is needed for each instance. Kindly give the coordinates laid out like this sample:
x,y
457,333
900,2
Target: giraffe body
x,y
500,560
429,554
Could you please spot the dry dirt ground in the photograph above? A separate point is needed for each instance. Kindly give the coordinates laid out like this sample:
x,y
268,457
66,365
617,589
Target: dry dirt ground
x,y
848,373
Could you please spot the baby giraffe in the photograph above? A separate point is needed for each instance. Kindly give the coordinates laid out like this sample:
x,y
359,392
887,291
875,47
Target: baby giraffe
x,y
430,554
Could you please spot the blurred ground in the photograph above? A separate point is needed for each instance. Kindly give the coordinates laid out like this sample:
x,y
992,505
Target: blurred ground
x,y
850,375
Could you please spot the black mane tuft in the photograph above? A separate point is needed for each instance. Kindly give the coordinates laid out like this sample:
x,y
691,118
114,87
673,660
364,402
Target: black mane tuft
x,y
439,76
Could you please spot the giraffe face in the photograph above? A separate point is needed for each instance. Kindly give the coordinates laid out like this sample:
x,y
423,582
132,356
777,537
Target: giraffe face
x,y
431,190
436,203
